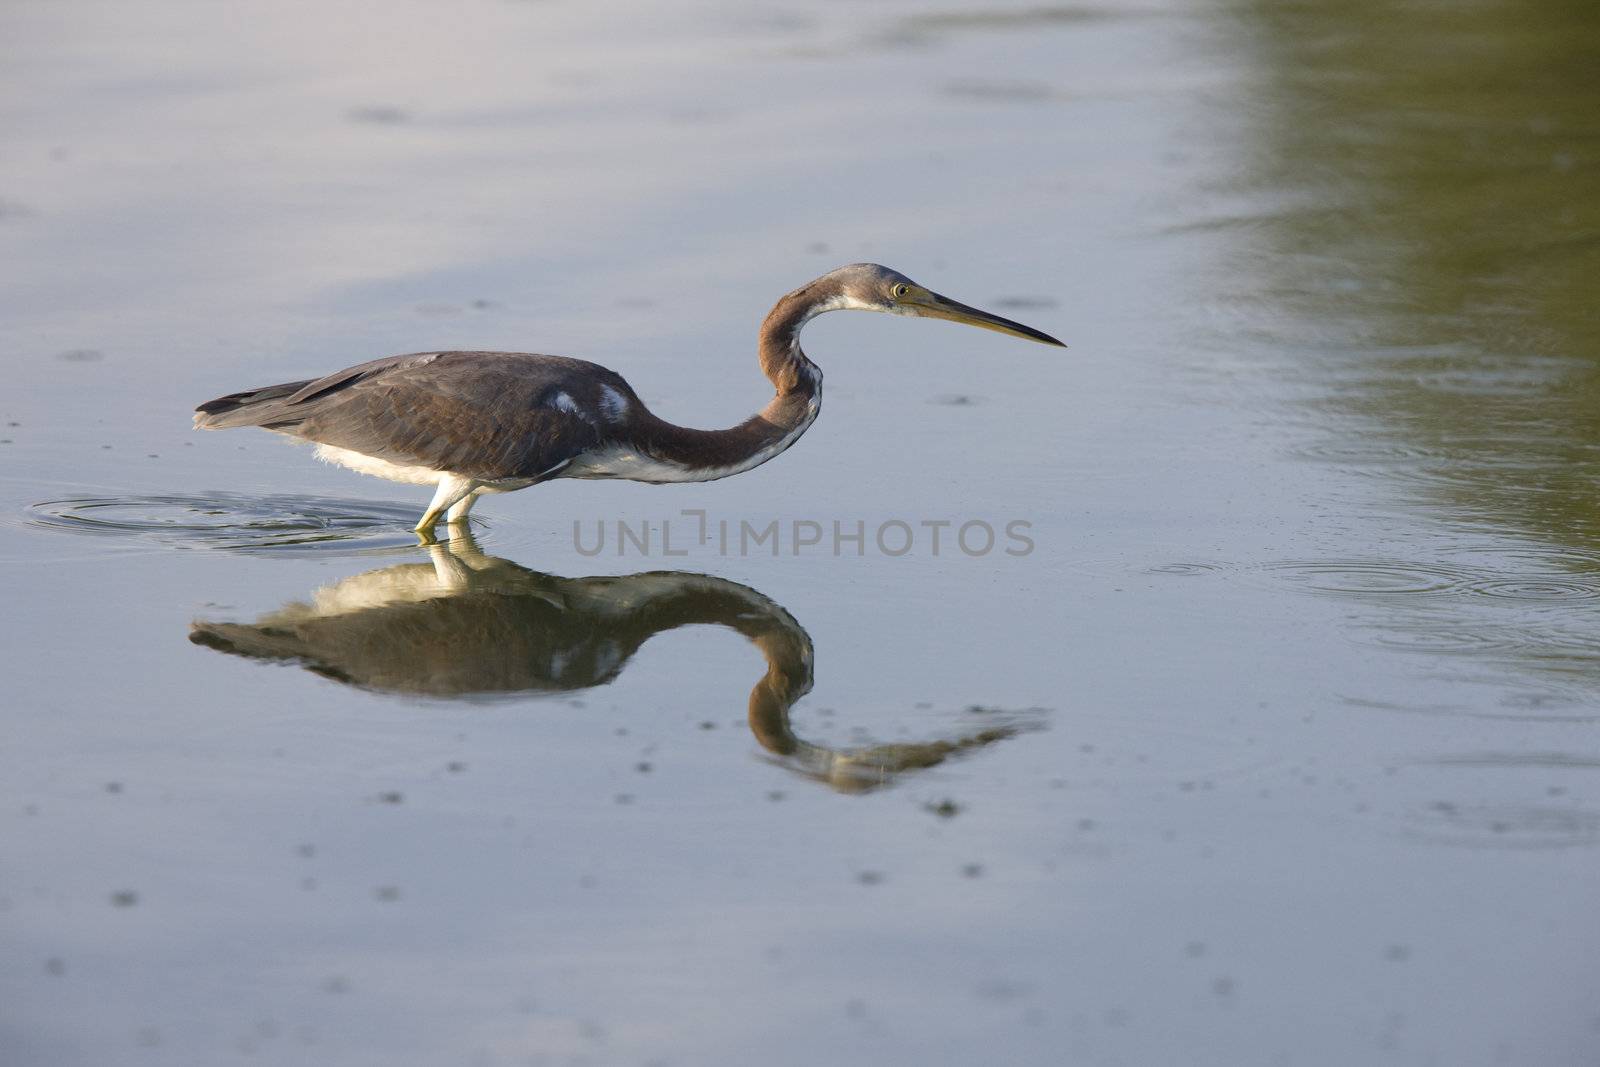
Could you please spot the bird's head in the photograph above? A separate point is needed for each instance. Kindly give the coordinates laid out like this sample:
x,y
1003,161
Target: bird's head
x,y
873,287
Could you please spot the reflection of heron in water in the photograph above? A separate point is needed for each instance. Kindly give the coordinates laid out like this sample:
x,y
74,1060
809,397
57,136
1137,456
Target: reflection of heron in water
x,y
470,625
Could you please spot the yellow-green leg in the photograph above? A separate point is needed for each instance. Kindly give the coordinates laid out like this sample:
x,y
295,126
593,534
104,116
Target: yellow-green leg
x,y
452,491
458,510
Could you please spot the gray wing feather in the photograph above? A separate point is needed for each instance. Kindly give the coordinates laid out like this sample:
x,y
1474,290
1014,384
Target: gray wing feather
x,y
487,415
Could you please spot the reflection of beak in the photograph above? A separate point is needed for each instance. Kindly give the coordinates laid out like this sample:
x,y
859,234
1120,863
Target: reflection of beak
x,y
933,306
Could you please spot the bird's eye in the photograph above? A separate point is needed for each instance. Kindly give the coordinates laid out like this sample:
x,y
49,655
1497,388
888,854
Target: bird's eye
x,y
901,290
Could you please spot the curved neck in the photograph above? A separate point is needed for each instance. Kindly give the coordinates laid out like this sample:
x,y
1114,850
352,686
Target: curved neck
x,y
682,454
782,361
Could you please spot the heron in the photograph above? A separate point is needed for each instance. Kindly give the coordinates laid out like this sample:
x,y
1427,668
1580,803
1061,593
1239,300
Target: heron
x,y
471,423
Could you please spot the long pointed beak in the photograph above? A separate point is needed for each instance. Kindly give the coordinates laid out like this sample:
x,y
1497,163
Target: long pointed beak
x,y
934,306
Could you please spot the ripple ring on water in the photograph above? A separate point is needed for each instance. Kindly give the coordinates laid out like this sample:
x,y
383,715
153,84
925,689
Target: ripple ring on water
x,y
1538,590
233,521
1186,568
1370,577
1448,637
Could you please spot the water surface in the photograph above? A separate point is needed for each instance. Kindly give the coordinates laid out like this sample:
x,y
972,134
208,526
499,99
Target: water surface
x,y
1278,746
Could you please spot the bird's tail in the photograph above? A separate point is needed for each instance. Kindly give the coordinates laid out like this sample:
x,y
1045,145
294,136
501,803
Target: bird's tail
x,y
253,407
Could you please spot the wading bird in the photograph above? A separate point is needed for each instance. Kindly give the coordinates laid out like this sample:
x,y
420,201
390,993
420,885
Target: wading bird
x,y
471,423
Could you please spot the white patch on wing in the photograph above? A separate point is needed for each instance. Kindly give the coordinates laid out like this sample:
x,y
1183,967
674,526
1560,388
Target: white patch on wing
x,y
565,403
613,405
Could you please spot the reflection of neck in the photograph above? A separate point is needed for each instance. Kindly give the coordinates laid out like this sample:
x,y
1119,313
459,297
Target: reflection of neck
x,y
788,678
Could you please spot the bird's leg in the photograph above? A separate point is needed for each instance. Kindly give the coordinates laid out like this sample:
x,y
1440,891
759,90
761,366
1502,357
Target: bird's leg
x,y
458,510
452,490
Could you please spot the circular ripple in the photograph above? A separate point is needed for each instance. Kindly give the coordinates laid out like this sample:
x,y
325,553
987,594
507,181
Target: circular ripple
x,y
1538,590
234,522
1525,558
1360,453
1185,568
1369,578
1449,637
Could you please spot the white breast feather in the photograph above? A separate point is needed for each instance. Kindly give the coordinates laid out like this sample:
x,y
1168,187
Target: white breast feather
x,y
622,462
381,468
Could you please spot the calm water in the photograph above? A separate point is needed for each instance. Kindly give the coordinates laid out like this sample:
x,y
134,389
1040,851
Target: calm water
x,y
1279,743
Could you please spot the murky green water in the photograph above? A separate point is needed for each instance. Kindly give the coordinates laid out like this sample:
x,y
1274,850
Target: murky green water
x,y
1280,743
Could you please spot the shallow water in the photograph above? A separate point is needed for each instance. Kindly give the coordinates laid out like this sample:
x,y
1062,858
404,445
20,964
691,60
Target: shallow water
x,y
1272,739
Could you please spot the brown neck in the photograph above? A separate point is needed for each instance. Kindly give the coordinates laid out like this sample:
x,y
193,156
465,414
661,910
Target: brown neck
x,y
782,361
798,385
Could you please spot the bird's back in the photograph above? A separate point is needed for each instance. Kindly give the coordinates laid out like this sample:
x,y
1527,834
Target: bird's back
x,y
489,415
